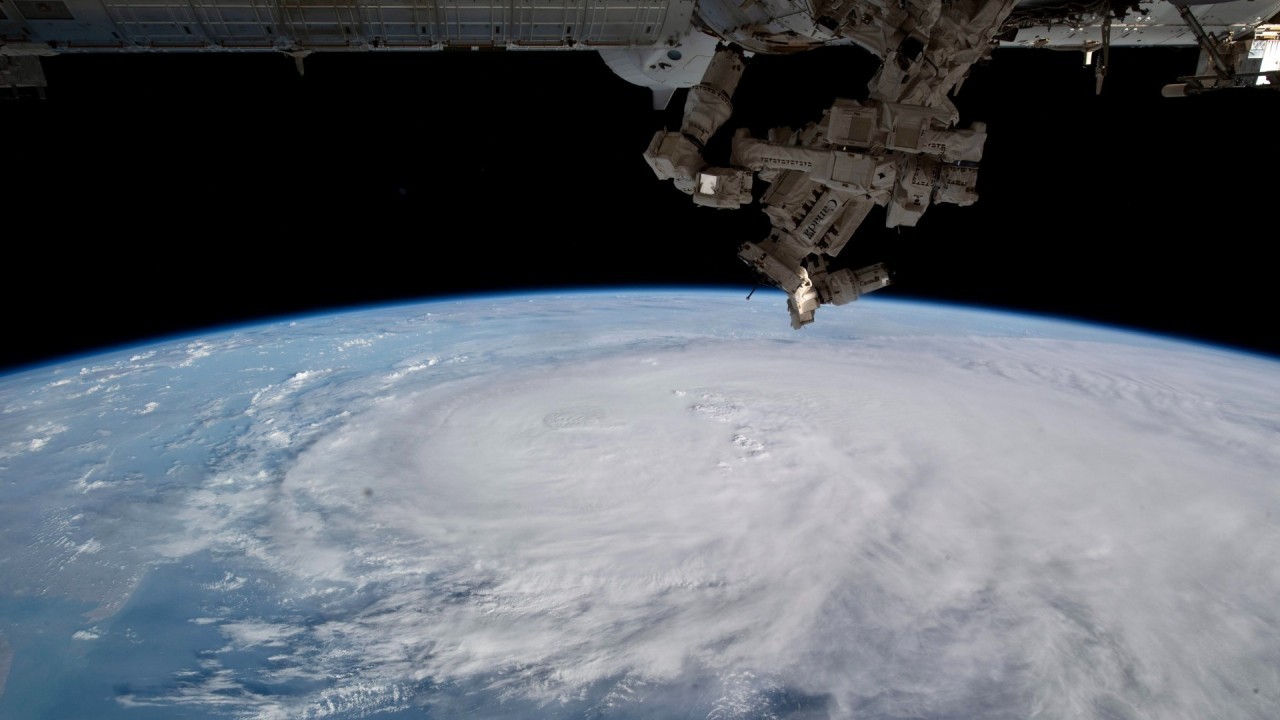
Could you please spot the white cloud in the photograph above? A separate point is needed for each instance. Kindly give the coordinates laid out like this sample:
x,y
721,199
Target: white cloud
x,y
229,583
250,634
89,547
360,342
906,527
43,432
197,350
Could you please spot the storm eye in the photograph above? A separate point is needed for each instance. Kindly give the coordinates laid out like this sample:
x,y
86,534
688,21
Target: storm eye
x,y
674,54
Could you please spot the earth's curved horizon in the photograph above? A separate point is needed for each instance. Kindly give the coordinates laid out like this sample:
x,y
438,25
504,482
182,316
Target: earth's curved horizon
x,y
759,294
643,504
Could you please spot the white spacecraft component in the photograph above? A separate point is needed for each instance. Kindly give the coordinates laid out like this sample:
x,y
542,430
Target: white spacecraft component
x,y
900,148
1225,30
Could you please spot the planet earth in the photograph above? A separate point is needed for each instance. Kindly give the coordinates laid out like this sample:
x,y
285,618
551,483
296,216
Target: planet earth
x,y
660,504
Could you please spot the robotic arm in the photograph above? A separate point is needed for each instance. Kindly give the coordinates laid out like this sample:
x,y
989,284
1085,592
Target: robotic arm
x,y
825,180
899,149
677,156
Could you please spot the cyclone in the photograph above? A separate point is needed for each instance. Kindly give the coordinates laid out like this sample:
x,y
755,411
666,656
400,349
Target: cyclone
x,y
645,505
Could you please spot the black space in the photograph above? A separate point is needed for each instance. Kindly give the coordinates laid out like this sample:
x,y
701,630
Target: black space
x,y
151,195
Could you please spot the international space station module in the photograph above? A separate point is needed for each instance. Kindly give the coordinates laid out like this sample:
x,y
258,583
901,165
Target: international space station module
x,y
899,148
